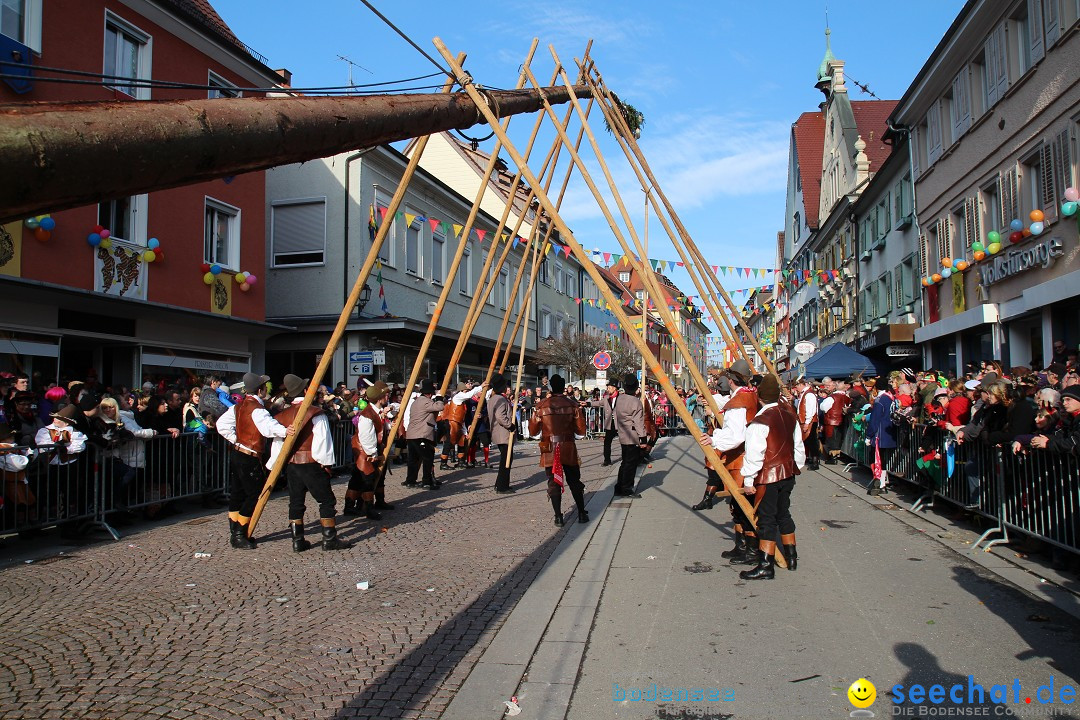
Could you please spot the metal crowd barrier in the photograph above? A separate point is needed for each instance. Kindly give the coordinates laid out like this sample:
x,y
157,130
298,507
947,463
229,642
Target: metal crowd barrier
x,y
1035,493
136,474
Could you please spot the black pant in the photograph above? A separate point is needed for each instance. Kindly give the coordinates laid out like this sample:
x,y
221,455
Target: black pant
x,y
362,482
249,476
573,481
421,451
307,478
774,511
812,445
631,457
609,435
502,482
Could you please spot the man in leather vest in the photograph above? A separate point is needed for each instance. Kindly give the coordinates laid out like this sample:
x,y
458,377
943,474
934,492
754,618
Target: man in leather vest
x,y
501,420
835,409
558,419
245,426
454,413
806,406
630,423
419,421
308,468
729,440
774,455
607,418
367,446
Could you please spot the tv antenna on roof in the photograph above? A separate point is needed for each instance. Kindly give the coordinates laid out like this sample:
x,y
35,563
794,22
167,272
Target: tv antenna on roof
x,y
351,66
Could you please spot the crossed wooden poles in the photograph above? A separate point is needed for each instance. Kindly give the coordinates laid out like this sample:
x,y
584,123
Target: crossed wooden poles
x,y
538,245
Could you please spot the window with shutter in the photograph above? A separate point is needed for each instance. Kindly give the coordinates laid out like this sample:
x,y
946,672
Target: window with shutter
x,y
971,223
898,204
944,238
1052,21
1049,196
933,131
1009,199
1001,69
924,259
961,105
990,73
1035,30
1063,174
898,292
298,232
917,137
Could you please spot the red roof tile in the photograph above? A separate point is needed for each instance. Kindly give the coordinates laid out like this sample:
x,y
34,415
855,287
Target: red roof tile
x,y
871,118
203,13
809,131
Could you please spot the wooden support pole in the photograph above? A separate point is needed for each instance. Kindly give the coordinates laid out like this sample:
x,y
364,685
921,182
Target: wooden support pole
x,y
691,246
711,454
616,120
339,329
538,253
414,376
642,267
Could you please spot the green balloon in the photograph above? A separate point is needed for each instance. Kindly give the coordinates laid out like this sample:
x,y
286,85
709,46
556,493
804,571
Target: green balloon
x,y
993,236
977,246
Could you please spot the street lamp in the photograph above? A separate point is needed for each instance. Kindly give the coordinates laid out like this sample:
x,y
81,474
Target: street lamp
x,y
365,295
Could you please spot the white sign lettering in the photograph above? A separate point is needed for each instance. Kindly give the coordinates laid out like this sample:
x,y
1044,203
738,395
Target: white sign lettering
x,y
1005,265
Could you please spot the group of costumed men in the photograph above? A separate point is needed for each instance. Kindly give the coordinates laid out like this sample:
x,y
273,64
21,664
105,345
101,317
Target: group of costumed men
x,y
759,437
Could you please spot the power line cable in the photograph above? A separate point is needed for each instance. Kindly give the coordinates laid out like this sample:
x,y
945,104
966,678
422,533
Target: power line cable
x,y
410,41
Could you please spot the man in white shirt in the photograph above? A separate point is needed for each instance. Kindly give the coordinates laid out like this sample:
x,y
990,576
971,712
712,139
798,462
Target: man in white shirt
x,y
308,468
774,455
806,406
245,426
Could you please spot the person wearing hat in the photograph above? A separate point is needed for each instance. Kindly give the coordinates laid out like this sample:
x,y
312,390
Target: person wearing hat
x,y
835,409
245,426
367,446
63,444
454,413
307,469
607,418
774,456
501,420
1066,439
630,424
558,419
729,440
806,407
419,421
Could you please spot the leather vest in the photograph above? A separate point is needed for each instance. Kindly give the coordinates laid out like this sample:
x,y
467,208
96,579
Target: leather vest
x,y
455,412
746,399
301,452
247,434
835,414
560,418
363,462
779,461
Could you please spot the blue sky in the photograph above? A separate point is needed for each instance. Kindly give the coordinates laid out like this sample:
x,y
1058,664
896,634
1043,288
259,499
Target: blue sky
x,y
719,83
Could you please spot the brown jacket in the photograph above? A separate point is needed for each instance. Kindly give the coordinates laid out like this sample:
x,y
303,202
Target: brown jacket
x,y
629,419
500,419
748,401
558,418
422,413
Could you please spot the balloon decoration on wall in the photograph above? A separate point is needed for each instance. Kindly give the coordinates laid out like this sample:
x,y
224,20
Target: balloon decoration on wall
x,y
1072,202
243,278
99,236
42,225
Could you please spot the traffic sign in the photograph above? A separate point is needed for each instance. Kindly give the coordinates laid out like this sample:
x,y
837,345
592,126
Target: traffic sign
x,y
601,376
601,360
362,356
361,368
378,357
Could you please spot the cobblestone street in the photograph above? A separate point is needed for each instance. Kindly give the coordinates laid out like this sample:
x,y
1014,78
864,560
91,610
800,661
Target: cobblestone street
x,y
141,627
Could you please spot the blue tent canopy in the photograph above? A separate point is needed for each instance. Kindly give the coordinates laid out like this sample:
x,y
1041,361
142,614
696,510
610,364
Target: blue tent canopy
x,y
836,360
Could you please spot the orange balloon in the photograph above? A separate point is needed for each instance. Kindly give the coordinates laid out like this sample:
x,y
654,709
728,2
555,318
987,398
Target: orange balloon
x,y
1027,233
936,277
946,262
1036,216
980,255
42,234
962,265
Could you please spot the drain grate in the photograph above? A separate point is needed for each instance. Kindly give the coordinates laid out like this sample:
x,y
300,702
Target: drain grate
x,y
619,504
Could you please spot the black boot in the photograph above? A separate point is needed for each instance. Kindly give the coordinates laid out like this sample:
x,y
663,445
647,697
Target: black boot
x,y
556,505
739,549
792,556
582,515
559,521
239,539
381,504
764,569
748,555
299,544
706,502
352,507
370,512
330,539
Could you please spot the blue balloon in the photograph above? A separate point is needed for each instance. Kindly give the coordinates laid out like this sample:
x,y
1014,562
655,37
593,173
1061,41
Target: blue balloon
x,y
47,224
32,223
153,243
215,269
94,239
1037,228
1017,225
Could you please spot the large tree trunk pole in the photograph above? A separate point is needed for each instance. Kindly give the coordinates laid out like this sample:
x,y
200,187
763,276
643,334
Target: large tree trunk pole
x,y
63,155
339,329
448,285
616,120
538,253
594,273
643,268
691,246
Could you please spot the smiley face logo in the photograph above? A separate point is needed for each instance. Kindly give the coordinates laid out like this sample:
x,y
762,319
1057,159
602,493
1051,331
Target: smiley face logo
x,y
862,693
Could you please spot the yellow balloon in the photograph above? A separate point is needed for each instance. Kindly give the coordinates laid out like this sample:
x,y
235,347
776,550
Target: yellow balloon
x,y
208,278
149,256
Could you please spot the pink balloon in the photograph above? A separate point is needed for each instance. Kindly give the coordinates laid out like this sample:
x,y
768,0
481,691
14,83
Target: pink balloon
x,y
251,279
245,287
1072,194
104,234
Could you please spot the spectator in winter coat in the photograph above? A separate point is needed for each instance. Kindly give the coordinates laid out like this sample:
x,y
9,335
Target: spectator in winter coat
x,y
1065,439
881,431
